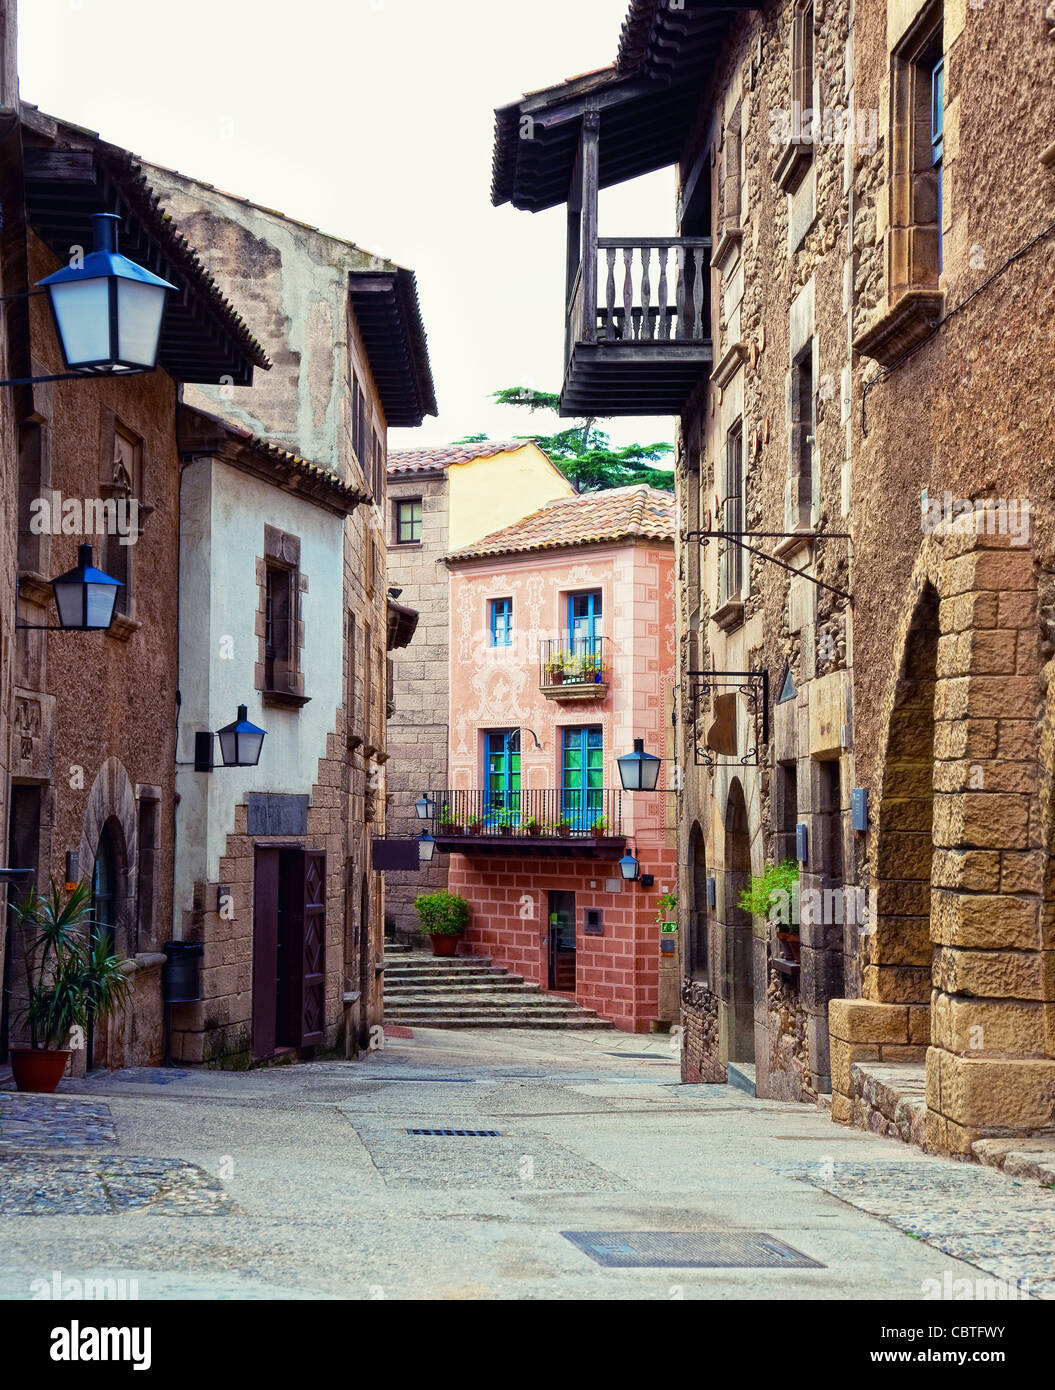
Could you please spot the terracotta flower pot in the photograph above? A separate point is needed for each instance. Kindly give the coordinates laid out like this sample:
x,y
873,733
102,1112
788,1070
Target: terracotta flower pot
x,y
792,944
564,831
38,1069
445,944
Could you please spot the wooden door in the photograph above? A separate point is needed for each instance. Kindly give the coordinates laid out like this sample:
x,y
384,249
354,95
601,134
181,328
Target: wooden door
x,y
562,942
313,949
265,951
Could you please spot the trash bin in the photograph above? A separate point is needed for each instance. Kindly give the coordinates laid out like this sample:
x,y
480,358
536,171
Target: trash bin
x,y
181,973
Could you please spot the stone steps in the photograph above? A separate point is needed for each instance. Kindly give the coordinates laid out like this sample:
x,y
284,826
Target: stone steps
x,y
471,992
505,1021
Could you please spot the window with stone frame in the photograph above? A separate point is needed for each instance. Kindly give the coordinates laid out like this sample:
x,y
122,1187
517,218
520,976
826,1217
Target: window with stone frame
x,y
914,257
803,440
733,514
349,699
917,151
279,670
121,487
406,519
730,175
800,128
148,835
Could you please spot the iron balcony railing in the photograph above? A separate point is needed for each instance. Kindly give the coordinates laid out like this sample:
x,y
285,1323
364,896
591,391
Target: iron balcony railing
x,y
573,660
550,813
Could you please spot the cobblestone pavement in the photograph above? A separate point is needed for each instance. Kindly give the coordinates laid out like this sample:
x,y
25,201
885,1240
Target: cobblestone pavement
x,y
313,1184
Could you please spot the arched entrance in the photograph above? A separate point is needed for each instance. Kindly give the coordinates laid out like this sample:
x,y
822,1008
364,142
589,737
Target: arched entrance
x,y
366,963
901,954
107,885
739,932
697,962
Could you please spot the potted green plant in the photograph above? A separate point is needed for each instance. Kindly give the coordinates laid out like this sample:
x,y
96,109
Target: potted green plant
x,y
666,908
473,825
448,824
555,671
443,916
72,977
773,895
533,826
563,827
600,826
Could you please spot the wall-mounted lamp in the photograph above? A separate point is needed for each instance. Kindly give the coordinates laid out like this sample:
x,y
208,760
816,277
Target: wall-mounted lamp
x,y
638,771
425,807
84,596
628,867
240,745
426,848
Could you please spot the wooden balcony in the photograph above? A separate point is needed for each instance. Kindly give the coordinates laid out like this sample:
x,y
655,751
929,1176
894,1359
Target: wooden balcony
x,y
638,330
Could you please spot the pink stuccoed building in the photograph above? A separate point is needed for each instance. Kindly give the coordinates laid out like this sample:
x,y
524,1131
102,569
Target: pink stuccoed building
x,y
562,654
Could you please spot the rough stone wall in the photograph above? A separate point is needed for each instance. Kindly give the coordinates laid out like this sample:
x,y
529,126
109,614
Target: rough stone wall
x,y
218,1030
290,282
417,727
963,414
94,714
780,290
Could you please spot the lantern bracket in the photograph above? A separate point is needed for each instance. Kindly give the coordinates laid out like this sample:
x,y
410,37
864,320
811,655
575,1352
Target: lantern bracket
x,y
707,685
737,538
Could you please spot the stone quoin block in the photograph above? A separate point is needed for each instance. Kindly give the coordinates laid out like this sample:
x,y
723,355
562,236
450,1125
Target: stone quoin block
x,y
987,1092
859,1020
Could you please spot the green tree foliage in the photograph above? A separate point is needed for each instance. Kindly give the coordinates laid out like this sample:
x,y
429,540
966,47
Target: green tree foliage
x,y
585,454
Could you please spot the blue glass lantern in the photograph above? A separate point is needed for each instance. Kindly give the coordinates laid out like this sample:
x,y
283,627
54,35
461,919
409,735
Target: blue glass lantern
x,y
107,309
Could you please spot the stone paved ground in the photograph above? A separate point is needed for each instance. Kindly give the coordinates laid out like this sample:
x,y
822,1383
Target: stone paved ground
x,y
302,1181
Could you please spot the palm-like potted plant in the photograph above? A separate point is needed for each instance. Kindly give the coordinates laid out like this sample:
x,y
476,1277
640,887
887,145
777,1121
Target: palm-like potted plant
x,y
772,894
443,916
72,977
555,670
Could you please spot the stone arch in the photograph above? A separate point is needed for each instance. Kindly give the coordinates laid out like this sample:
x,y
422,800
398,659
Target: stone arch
x,y
112,803
899,965
737,986
697,956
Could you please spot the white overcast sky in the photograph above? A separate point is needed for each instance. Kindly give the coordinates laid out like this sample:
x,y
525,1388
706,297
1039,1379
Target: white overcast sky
x,y
371,119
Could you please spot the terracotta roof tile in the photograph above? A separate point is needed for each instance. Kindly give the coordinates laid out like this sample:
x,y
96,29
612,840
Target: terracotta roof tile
x,y
586,519
427,460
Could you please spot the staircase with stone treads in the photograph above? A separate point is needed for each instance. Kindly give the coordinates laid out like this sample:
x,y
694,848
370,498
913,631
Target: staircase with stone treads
x,y
471,992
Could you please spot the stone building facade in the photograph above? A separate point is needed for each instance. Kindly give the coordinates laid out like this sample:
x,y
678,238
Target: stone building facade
x,y
869,418
90,729
562,653
345,332
434,494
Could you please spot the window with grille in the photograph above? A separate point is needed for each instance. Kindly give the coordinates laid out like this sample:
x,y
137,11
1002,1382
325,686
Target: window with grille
x,y
408,521
280,616
733,558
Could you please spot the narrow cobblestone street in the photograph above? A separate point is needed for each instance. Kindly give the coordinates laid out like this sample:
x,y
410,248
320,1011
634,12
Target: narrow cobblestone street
x,y
306,1182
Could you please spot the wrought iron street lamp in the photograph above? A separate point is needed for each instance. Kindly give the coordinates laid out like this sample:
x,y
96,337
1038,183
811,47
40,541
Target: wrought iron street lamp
x,y
241,742
628,867
638,771
84,596
107,309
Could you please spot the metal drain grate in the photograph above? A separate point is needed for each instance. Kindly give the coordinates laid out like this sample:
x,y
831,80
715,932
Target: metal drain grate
x,y
689,1250
648,1057
461,1133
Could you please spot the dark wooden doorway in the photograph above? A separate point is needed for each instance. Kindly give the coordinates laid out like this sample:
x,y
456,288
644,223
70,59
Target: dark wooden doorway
x,y
23,852
738,985
289,949
108,864
562,941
